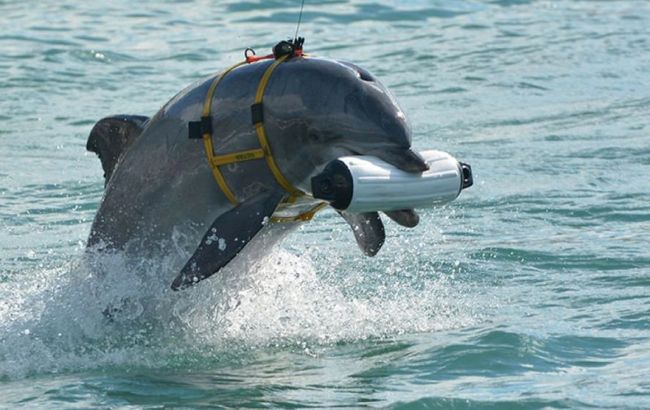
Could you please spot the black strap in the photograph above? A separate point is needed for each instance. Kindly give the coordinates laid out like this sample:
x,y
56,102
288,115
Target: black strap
x,y
196,129
257,113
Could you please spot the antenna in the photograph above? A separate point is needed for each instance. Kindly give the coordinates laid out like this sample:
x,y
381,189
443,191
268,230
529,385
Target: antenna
x,y
302,5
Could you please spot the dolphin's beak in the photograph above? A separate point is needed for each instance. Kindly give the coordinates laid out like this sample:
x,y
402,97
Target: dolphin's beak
x,y
404,159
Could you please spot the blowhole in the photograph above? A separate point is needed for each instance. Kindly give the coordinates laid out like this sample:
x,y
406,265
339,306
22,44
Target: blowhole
x,y
365,76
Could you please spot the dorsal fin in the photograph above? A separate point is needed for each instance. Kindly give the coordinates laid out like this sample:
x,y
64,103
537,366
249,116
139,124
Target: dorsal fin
x,y
110,137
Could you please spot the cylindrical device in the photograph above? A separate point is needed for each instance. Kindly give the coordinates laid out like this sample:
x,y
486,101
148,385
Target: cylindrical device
x,y
366,183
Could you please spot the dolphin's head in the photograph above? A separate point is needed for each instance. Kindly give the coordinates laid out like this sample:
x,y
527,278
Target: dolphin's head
x,y
323,109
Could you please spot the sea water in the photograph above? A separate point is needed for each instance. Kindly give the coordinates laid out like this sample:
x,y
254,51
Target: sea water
x,y
531,290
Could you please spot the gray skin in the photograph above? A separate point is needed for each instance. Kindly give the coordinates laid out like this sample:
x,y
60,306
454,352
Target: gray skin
x,y
160,191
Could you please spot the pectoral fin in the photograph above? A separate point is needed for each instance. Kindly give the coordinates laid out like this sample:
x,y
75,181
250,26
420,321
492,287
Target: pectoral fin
x,y
368,230
226,237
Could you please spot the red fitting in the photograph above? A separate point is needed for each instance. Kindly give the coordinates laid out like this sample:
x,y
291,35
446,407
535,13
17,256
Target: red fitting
x,y
253,58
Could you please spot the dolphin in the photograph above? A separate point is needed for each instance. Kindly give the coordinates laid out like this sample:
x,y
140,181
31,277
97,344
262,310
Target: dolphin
x,y
160,187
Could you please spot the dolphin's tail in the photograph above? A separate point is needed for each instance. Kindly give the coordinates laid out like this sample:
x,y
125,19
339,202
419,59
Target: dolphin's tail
x,y
111,136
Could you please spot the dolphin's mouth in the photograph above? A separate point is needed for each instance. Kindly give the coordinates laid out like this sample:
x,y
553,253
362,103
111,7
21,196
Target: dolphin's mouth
x,y
402,158
405,159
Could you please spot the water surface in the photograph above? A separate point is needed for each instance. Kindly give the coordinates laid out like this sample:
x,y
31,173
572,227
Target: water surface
x,y
529,291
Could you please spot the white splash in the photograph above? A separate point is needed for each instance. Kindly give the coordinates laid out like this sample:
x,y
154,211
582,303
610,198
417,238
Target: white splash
x,y
69,319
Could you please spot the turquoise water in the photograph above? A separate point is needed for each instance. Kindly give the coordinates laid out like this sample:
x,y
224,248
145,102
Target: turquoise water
x,y
531,290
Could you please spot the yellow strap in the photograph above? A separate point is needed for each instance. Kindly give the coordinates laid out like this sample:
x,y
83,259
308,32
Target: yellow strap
x,y
261,134
305,216
264,152
218,176
238,157
207,138
207,105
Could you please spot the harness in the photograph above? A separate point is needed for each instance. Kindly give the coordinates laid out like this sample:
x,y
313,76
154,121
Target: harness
x,y
203,130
